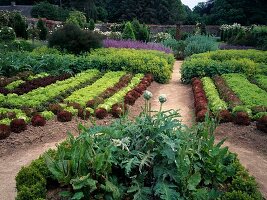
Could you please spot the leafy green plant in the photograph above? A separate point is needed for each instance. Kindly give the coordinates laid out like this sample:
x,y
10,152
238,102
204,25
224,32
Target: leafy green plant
x,y
178,47
216,104
199,44
250,62
74,40
119,96
128,32
250,94
43,31
7,34
85,94
14,84
76,17
40,96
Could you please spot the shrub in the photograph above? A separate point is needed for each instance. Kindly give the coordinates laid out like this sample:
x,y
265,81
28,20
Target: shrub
x,y
19,25
42,29
31,181
77,18
128,32
18,125
4,131
137,61
74,40
91,25
177,46
199,44
7,34
250,62
64,116
101,113
38,120
160,37
140,31
49,11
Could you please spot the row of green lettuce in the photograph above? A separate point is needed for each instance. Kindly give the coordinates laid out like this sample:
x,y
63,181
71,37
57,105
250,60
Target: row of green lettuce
x,y
253,98
48,60
42,95
249,62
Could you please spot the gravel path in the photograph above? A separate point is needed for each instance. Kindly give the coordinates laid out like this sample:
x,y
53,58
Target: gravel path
x,y
30,144
179,96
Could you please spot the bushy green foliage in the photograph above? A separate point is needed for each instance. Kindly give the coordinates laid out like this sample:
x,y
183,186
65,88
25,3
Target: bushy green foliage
x,y
261,81
141,31
152,157
18,22
250,62
178,47
138,61
91,25
49,11
142,61
7,34
31,181
199,44
17,45
128,32
240,35
74,40
43,31
78,18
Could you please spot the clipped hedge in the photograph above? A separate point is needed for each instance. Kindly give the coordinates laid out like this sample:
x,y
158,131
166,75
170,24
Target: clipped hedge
x,y
138,61
250,62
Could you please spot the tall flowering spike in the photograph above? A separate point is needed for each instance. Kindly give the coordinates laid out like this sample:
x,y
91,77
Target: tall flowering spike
x,y
162,98
148,95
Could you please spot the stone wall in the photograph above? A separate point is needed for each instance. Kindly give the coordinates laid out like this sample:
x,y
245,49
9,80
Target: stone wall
x,y
25,10
213,30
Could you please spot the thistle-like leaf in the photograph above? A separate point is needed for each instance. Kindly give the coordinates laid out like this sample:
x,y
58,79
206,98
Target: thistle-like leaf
x,y
166,191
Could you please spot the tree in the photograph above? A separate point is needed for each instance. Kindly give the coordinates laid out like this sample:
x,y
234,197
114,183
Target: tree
x,y
42,29
77,18
128,32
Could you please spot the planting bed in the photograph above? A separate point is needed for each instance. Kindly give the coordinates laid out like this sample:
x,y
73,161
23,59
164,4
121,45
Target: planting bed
x,y
231,97
38,98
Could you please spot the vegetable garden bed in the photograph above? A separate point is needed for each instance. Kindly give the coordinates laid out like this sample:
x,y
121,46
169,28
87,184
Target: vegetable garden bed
x,y
87,94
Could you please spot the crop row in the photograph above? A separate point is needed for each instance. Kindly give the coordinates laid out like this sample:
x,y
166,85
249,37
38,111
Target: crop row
x,y
21,87
249,62
250,94
227,88
88,93
42,95
113,87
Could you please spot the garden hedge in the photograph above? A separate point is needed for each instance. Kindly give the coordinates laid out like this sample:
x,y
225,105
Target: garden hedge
x,y
250,62
138,61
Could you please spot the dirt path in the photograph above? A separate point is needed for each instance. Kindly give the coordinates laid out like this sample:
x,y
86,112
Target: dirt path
x,y
180,97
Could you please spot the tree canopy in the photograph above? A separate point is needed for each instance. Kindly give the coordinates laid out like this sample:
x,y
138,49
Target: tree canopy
x,y
245,12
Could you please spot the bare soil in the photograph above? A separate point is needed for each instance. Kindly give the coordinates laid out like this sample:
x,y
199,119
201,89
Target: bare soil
x,y
20,149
